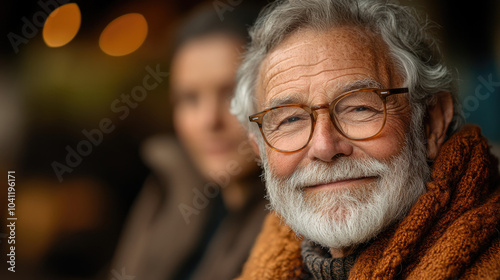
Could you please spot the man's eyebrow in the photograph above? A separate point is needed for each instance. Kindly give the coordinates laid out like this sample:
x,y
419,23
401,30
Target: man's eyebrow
x,y
359,84
291,99
343,88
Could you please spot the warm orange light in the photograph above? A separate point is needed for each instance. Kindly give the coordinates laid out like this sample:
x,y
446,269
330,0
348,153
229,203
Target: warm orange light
x,y
62,25
124,35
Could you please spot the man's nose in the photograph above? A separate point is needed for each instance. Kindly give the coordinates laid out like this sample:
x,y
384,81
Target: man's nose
x,y
327,143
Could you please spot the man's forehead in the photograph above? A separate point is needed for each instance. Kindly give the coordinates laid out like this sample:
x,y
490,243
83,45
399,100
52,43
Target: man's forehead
x,y
337,42
309,51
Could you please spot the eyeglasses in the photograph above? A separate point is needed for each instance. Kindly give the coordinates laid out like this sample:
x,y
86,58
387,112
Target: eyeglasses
x,y
358,115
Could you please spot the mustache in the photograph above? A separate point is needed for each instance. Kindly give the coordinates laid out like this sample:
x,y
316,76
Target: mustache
x,y
319,172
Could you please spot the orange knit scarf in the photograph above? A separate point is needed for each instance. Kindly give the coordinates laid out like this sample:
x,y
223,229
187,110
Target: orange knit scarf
x,y
452,231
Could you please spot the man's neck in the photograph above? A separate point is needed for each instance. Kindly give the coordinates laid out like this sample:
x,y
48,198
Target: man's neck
x,y
342,252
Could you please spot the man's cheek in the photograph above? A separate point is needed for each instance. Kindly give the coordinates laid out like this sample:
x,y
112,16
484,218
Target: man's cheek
x,y
282,165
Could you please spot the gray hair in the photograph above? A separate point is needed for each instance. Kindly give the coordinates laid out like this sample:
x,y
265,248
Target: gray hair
x,y
411,46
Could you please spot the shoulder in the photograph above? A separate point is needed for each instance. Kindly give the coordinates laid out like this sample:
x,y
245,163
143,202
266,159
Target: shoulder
x,y
276,253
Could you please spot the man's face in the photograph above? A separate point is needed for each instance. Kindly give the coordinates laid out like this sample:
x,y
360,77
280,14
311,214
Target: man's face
x,y
336,182
315,67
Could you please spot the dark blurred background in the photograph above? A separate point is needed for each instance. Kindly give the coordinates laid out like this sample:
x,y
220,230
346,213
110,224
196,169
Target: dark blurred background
x,y
68,226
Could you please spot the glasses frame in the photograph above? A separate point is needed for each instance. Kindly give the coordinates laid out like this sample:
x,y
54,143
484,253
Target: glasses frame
x,y
382,93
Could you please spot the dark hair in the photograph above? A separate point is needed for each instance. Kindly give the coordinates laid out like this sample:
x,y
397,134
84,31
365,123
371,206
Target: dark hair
x,y
210,19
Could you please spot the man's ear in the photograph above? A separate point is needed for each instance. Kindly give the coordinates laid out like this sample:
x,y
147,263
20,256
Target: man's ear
x,y
254,144
439,116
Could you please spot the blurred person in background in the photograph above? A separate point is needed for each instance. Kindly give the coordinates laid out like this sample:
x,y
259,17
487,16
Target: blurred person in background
x,y
198,214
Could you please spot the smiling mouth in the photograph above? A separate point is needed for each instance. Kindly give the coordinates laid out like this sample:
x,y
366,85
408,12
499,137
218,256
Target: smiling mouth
x,y
347,183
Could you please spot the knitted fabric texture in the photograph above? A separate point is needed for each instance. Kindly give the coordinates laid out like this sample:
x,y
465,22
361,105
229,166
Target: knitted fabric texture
x,y
451,232
322,266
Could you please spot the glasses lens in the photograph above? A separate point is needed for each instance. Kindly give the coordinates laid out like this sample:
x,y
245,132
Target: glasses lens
x,y
287,128
360,114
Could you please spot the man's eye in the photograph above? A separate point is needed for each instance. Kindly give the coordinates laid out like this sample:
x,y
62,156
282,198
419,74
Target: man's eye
x,y
361,109
291,120
358,109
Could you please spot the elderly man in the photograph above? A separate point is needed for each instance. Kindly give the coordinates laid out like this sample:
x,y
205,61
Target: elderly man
x,y
368,171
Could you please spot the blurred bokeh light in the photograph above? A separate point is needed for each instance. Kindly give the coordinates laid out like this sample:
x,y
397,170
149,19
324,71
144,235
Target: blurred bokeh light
x,y
124,35
62,25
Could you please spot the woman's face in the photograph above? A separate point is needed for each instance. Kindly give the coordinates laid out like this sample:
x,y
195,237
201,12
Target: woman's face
x,y
203,79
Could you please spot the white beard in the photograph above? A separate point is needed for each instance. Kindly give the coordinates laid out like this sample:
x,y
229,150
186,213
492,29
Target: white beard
x,y
350,216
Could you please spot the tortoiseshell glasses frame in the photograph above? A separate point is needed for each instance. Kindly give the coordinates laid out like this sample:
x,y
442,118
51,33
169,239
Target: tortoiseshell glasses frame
x,y
311,110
